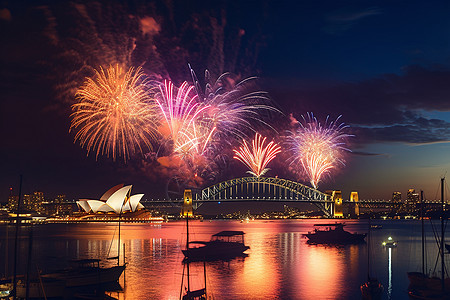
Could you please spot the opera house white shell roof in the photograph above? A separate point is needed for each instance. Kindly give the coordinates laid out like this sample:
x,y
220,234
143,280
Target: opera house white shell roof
x,y
117,199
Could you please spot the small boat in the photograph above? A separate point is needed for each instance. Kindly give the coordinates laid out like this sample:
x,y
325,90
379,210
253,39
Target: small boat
x,y
333,234
389,243
372,289
88,272
225,244
376,226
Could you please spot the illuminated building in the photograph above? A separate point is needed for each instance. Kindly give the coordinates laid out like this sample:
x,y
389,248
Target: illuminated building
x,y
36,201
412,199
396,197
117,200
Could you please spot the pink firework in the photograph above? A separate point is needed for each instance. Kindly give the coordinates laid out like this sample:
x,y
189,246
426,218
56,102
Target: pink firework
x,y
317,149
181,119
234,107
259,156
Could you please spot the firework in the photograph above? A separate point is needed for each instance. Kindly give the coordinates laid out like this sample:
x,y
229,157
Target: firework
x,y
181,116
233,108
317,149
259,156
114,114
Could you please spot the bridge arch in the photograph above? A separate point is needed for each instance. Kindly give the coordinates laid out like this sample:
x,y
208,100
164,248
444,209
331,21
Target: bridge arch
x,y
265,189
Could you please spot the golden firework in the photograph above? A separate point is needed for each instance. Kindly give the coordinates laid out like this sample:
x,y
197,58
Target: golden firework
x,y
114,114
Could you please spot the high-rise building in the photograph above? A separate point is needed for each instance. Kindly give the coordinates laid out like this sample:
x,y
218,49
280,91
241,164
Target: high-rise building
x,y
12,201
35,202
412,199
396,197
26,202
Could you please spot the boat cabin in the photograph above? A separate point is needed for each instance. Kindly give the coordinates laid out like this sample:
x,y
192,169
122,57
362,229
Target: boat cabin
x,y
228,236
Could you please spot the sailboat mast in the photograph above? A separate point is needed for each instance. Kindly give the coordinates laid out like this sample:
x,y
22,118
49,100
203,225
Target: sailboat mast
x,y
368,252
187,248
442,235
118,244
423,233
16,240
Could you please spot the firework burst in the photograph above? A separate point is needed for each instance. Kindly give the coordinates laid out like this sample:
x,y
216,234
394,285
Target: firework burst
x,y
259,156
181,116
114,114
317,149
233,108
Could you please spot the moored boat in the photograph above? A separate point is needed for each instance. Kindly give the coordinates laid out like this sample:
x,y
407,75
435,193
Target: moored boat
x,y
390,243
225,244
88,272
333,234
372,289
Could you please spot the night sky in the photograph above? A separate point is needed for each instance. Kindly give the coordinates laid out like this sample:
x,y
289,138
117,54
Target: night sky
x,y
383,65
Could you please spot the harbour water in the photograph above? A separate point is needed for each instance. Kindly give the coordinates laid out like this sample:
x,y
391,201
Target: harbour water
x,y
280,263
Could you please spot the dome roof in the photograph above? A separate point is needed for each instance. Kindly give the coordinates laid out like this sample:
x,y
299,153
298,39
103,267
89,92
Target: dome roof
x,y
117,199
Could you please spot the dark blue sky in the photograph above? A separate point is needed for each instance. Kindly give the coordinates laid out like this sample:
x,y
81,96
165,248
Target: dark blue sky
x,y
384,66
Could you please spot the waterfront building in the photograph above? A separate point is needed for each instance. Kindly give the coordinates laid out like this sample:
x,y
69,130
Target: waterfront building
x,y
396,197
36,201
117,199
412,199
12,202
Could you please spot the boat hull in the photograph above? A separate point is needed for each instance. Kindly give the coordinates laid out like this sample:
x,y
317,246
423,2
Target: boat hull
x,y
372,290
215,250
88,276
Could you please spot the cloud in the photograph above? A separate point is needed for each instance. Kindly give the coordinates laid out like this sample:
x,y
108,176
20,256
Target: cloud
x,y
344,19
149,26
389,108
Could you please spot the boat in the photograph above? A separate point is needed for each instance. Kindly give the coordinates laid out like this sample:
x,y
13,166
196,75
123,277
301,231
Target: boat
x,y
372,289
225,244
87,272
422,285
390,243
333,234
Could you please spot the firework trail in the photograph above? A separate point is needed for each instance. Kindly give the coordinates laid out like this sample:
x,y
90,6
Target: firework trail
x,y
181,115
317,149
233,108
259,156
114,114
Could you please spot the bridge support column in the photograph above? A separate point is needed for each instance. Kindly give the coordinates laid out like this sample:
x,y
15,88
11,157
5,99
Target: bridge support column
x,y
354,205
337,209
186,209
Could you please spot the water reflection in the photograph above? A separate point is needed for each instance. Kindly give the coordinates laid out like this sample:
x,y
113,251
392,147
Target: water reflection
x,y
279,265
390,273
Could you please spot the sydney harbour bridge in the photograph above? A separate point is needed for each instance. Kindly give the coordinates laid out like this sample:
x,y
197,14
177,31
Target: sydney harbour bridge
x,y
272,189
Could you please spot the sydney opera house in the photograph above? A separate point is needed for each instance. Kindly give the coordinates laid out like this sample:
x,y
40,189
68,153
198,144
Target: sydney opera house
x,y
117,199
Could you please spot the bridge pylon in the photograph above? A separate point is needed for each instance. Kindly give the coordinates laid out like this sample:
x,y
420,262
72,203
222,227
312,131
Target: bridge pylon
x,y
354,205
336,205
186,209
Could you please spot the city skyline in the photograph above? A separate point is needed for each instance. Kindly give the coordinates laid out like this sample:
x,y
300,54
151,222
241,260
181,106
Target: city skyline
x,y
384,68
